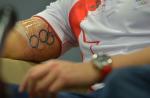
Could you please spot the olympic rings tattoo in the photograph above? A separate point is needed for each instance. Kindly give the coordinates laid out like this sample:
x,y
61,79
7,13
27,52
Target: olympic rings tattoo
x,y
47,38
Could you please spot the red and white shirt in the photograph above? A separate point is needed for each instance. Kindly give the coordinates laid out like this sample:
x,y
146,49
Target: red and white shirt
x,y
109,26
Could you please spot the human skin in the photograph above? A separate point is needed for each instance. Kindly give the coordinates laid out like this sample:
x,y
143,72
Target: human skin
x,y
55,75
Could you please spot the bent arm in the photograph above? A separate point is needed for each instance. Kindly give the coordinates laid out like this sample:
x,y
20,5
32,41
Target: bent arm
x,y
33,40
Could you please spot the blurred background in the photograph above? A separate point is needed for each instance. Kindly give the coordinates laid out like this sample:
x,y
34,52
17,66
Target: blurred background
x,y
27,8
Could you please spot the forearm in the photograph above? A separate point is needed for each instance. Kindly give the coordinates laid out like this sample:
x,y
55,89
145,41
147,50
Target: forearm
x,y
33,40
70,74
140,57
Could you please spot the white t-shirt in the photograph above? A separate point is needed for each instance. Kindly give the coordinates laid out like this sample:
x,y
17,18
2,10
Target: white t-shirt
x,y
108,26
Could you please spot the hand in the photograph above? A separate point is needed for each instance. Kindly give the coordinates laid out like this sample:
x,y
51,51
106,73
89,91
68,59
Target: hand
x,y
56,75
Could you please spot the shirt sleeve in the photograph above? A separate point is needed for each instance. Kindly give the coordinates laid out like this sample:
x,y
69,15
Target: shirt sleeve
x,y
56,14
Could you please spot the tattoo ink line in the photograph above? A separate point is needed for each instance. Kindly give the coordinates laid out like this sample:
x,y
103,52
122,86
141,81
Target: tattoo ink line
x,y
44,37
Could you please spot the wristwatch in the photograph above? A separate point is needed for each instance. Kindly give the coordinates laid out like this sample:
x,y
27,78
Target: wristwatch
x,y
103,63
100,61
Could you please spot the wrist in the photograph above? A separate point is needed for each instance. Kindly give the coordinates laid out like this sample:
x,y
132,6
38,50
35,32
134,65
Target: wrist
x,y
91,74
103,63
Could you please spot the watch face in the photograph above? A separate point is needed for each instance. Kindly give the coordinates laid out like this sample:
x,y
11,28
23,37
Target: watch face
x,y
106,60
102,60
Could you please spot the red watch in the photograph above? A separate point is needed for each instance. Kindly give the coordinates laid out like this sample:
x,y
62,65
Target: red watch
x,y
103,63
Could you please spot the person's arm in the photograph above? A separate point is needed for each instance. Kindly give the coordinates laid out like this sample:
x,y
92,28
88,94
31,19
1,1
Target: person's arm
x,y
56,75
32,39
140,57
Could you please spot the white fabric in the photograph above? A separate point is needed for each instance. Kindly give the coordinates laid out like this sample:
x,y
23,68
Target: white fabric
x,y
56,14
121,26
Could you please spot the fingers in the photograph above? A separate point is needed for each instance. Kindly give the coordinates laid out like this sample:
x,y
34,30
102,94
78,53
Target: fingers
x,y
33,75
57,85
50,77
53,82
24,84
39,77
31,87
44,83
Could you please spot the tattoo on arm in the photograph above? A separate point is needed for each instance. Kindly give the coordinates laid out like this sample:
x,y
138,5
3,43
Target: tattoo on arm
x,y
43,36
37,33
